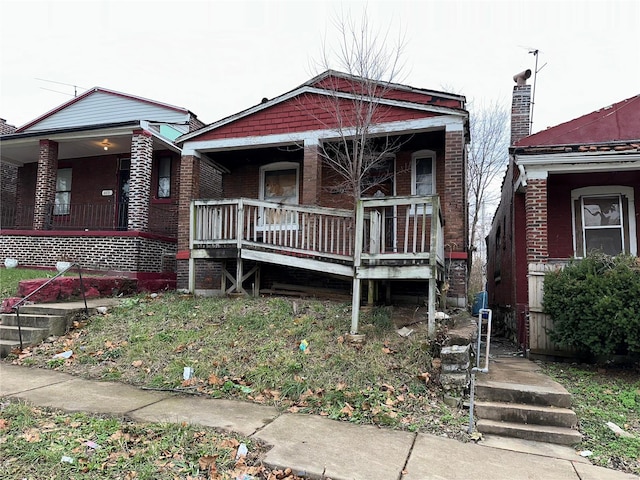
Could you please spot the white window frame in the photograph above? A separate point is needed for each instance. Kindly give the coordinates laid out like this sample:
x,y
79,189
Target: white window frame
x,y
628,216
275,167
419,155
161,160
59,207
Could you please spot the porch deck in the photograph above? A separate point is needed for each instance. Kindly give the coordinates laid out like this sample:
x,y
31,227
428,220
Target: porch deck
x,y
393,238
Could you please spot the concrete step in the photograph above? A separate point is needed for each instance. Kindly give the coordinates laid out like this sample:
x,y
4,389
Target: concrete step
x,y
30,335
538,433
506,392
527,414
56,309
57,324
6,346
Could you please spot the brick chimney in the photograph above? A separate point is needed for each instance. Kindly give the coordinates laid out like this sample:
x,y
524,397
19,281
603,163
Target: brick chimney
x,y
521,107
5,128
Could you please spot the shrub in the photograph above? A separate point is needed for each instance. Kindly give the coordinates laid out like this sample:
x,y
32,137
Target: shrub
x,y
595,304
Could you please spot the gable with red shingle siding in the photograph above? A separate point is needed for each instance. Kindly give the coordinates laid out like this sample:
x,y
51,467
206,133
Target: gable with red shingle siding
x,y
303,113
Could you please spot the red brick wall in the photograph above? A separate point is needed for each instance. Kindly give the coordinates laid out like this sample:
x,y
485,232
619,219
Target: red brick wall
x,y
454,201
311,176
536,210
560,226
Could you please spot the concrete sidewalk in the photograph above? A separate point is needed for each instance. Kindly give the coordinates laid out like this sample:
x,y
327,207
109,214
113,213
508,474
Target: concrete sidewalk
x,y
312,446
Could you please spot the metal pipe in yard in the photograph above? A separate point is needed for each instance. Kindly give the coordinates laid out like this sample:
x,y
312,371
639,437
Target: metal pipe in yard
x,y
477,368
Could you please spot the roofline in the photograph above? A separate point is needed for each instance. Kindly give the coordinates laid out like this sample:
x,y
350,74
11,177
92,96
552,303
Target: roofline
x,y
616,106
307,88
91,91
84,128
398,86
518,150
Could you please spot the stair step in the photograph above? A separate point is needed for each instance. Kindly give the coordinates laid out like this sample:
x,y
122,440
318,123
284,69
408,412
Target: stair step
x,y
526,414
54,309
543,395
538,433
6,346
57,324
30,335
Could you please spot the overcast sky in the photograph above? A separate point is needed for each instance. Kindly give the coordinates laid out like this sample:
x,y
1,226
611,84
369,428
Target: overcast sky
x,y
219,57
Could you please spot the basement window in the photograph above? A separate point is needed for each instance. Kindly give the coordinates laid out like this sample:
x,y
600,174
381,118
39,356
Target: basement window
x,y
602,220
62,204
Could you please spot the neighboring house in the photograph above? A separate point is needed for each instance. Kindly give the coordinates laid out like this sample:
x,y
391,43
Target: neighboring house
x,y
569,190
281,217
8,174
97,183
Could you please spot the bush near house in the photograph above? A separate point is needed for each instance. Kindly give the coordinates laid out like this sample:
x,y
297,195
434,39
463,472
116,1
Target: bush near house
x,y
595,305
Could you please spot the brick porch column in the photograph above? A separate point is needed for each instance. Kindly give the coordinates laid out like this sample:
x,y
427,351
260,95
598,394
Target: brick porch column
x,y
140,180
536,213
45,183
311,175
189,190
454,210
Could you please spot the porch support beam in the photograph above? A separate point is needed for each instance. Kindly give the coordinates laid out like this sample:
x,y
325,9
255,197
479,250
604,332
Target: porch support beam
x,y
312,171
140,182
45,183
355,306
431,322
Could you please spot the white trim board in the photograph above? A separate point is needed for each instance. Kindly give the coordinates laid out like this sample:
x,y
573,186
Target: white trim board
x,y
448,123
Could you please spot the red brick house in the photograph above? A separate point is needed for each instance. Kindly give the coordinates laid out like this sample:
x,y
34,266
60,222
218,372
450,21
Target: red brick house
x,y
97,183
568,190
282,217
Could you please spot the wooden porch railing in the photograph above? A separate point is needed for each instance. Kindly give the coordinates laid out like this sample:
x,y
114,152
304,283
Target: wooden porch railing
x,y
385,238
383,230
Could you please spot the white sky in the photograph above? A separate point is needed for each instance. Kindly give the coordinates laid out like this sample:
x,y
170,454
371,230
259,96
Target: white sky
x,y
217,58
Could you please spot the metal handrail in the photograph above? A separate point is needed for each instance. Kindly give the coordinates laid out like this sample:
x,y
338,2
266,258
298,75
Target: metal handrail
x,y
17,305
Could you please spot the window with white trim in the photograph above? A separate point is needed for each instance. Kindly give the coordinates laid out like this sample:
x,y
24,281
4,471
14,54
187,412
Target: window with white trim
x,y
279,182
423,173
604,220
423,176
164,177
62,204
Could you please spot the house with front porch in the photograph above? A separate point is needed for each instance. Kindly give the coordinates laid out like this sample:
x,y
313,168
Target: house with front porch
x,y
283,214
97,183
569,190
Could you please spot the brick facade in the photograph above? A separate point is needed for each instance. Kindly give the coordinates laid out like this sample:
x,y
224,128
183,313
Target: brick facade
x,y
311,176
140,180
45,182
453,196
133,252
536,210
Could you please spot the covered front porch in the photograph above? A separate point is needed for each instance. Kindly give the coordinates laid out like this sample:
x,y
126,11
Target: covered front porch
x,y
392,238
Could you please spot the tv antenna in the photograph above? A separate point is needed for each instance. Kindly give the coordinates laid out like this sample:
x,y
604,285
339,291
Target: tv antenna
x,y
75,87
535,52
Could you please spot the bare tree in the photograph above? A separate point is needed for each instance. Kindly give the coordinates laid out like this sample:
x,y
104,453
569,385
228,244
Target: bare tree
x,y
488,157
353,107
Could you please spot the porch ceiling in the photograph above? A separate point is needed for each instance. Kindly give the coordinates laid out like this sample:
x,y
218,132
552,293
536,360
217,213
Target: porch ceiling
x,y
21,149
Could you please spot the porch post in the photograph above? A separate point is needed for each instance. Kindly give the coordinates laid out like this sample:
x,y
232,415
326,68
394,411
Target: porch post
x,y
140,182
45,183
312,171
536,214
188,191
